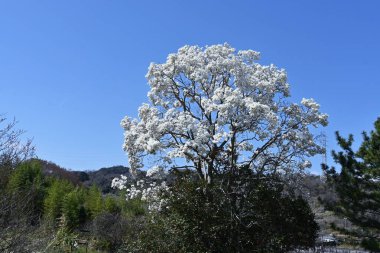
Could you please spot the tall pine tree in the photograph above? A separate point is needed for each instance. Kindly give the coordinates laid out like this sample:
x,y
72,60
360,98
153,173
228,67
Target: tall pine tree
x,y
358,182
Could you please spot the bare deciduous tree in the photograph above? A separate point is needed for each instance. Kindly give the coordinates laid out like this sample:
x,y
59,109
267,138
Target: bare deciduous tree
x,y
15,206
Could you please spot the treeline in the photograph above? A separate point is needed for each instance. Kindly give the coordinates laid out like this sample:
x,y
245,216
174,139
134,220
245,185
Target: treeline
x,y
33,203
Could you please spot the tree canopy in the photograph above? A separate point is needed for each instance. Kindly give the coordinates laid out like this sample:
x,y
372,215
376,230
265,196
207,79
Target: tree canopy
x,y
216,108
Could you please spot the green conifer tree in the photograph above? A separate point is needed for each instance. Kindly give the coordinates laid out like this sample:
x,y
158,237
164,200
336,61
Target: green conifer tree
x,y
111,205
94,202
73,208
54,199
26,176
358,182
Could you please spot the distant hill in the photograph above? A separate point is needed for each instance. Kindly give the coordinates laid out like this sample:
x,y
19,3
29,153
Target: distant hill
x,y
102,177
54,170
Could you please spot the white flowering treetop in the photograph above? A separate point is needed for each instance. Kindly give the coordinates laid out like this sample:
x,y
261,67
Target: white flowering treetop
x,y
216,108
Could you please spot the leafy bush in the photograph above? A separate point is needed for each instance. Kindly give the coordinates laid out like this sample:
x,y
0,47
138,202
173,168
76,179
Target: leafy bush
x,y
256,216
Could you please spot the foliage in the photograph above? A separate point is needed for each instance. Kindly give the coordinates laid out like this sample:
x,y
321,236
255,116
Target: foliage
x,y
27,182
263,219
200,217
156,234
25,176
73,208
31,202
134,207
55,197
20,206
358,182
111,205
94,202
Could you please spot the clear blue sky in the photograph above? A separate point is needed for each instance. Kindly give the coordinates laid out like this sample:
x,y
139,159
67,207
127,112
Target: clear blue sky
x,y
71,70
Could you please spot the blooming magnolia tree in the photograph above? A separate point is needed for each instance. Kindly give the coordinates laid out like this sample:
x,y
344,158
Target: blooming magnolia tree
x,y
216,109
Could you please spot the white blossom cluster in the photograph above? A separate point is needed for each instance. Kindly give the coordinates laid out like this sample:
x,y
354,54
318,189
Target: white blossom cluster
x,y
156,172
146,189
119,183
213,107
